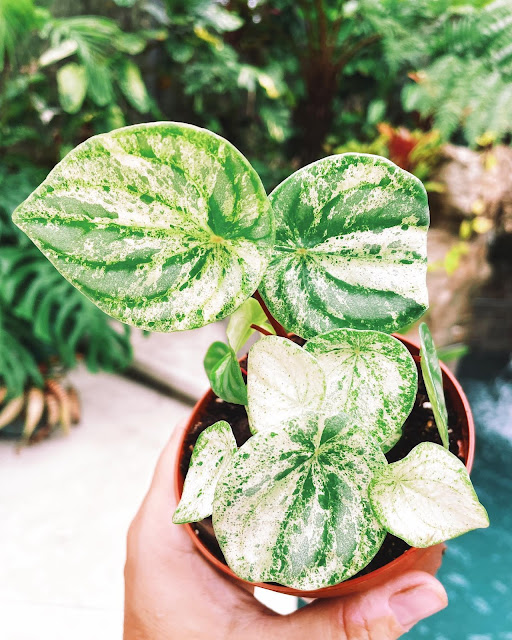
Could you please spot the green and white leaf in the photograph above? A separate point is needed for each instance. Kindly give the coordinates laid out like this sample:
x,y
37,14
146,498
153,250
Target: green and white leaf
x,y
239,326
350,247
427,497
283,382
433,379
164,226
72,85
223,371
371,376
292,506
212,453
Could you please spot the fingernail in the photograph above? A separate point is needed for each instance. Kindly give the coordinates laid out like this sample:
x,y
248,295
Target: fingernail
x,y
413,605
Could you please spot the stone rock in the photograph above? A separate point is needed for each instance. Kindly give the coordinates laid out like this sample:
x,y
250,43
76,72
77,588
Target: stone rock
x,y
476,183
452,293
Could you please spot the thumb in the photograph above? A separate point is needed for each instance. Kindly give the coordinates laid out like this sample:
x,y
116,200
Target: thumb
x,y
382,613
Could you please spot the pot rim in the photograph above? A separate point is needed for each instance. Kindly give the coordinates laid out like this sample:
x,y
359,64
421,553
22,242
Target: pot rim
x,y
354,583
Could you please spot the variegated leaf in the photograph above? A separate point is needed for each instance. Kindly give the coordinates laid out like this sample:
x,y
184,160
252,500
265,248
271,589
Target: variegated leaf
x,y
370,376
212,452
433,378
283,382
165,226
239,326
292,506
427,497
350,247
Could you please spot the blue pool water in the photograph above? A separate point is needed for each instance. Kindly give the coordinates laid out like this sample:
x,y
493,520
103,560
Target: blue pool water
x,y
477,568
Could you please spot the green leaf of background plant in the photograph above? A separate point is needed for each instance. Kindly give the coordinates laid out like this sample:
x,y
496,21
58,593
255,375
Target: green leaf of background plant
x,y
133,87
371,376
212,452
18,366
125,3
164,226
219,18
427,497
224,374
239,326
58,319
55,54
131,43
283,382
17,18
72,84
99,83
433,378
350,247
292,505
452,352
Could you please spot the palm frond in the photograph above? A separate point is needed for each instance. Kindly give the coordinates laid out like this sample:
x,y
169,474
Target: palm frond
x,y
59,316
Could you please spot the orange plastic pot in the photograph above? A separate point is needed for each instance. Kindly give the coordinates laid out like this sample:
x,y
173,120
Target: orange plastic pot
x,y
412,558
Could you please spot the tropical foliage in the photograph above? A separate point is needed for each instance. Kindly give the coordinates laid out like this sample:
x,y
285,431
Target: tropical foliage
x,y
286,81
167,226
467,83
43,317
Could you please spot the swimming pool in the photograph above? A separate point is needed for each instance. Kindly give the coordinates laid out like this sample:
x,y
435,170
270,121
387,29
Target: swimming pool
x,y
477,568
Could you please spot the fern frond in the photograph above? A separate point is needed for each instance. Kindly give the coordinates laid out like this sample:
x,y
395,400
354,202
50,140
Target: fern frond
x,y
468,85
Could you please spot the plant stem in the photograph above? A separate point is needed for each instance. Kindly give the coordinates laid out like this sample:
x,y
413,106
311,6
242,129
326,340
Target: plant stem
x,y
278,328
260,329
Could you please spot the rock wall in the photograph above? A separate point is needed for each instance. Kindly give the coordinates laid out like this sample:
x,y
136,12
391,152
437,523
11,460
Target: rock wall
x,y
477,186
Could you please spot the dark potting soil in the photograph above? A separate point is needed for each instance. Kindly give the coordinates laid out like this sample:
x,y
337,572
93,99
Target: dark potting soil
x,y
419,427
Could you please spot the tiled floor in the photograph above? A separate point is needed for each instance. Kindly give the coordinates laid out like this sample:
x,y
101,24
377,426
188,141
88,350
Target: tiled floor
x,y
65,506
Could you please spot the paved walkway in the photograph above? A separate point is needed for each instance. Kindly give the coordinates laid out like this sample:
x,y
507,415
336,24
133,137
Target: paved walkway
x,y
65,504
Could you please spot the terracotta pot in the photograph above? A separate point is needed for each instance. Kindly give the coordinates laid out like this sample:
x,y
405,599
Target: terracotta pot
x,y
412,558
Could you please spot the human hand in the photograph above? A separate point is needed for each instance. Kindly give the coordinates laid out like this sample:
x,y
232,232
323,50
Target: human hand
x,y
172,593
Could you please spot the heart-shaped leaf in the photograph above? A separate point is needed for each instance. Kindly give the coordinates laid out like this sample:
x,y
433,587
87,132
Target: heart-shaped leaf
x,y
370,376
239,326
433,378
283,382
224,374
212,452
350,247
292,506
427,497
165,226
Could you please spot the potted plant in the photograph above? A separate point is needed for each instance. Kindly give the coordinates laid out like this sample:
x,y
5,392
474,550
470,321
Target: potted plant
x,y
167,226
